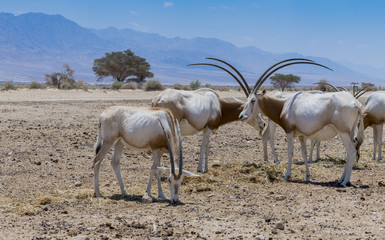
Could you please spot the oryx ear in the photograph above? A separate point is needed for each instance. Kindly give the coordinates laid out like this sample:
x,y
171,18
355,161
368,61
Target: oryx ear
x,y
164,169
264,91
190,174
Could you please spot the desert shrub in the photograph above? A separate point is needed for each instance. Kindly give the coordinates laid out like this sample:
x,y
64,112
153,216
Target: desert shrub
x,y
194,85
129,86
116,85
219,88
153,85
36,85
9,86
179,86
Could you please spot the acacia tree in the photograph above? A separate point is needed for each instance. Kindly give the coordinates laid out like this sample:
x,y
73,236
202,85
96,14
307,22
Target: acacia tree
x,y
283,81
59,78
122,66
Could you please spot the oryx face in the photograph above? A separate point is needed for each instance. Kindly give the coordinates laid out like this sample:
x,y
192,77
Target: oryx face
x,y
174,181
252,107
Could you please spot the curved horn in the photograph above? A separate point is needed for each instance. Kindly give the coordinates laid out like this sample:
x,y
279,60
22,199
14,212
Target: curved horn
x,y
331,85
180,148
343,88
258,85
239,74
287,60
169,149
361,91
224,69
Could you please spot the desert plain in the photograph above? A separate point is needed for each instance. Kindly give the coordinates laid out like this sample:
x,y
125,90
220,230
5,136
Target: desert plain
x,y
46,181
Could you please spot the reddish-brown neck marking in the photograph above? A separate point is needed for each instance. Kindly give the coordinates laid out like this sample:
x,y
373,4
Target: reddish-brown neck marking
x,y
230,111
272,108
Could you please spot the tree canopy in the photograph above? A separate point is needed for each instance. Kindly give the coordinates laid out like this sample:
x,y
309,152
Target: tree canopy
x,y
283,81
122,66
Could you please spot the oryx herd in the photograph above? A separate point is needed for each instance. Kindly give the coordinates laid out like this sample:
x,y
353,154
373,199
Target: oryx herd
x,y
315,115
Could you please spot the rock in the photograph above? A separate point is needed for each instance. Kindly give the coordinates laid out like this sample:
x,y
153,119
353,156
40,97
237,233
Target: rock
x,y
381,183
260,237
80,237
306,214
280,198
78,184
280,225
146,199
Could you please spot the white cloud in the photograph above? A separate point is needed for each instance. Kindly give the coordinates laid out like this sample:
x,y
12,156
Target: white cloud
x,y
134,12
168,4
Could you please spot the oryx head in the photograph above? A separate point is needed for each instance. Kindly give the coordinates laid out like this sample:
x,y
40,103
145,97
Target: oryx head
x,y
256,120
252,106
175,179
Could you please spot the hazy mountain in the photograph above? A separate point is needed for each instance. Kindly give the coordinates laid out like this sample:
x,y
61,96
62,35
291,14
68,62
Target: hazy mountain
x,y
34,44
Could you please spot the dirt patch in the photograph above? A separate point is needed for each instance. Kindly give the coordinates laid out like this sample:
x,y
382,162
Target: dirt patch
x,y
46,181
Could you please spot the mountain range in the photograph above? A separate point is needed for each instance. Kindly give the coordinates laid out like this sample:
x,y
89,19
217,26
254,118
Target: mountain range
x,y
35,44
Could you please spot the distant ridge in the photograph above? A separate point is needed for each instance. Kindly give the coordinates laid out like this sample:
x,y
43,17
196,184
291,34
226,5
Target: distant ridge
x,y
34,44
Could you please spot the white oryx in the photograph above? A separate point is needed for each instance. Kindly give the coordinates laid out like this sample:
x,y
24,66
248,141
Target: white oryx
x,y
269,132
316,116
203,110
140,129
374,116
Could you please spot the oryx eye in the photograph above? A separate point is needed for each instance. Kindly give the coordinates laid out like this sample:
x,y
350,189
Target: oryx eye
x,y
253,100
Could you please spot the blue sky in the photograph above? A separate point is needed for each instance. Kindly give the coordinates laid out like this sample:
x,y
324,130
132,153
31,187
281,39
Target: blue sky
x,y
341,30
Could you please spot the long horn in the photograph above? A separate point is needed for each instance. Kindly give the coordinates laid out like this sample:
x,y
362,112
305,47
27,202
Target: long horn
x,y
343,88
224,69
287,60
285,65
239,74
180,148
359,92
169,149
331,85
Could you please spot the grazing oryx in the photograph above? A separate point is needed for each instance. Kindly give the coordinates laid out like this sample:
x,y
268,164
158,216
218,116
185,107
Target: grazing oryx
x,y
203,110
374,116
315,116
140,129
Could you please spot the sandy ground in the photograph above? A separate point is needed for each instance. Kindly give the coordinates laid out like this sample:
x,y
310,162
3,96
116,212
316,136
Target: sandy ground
x,y
46,181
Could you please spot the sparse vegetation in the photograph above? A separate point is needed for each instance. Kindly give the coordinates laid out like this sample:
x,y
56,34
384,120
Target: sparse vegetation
x,y
194,85
116,85
64,79
9,86
179,86
153,85
129,86
36,85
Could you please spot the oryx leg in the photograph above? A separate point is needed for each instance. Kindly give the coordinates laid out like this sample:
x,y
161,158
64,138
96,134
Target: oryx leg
x,y
205,150
106,145
265,138
375,137
302,140
351,155
379,141
156,155
318,144
115,163
271,138
312,144
289,137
